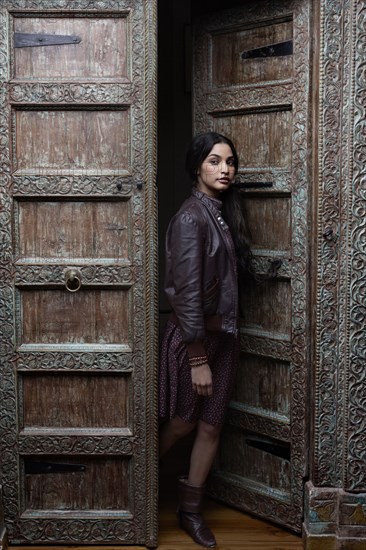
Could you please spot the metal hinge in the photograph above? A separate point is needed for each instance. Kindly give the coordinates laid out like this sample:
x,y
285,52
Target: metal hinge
x,y
253,184
279,449
25,40
278,49
40,467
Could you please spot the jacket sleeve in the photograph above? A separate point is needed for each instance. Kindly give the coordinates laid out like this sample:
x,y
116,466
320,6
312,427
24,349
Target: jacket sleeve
x,y
184,262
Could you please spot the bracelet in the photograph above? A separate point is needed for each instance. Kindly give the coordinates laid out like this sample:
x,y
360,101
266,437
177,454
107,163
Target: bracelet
x,y
198,361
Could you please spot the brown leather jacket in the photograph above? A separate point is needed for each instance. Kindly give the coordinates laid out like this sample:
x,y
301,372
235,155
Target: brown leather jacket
x,y
201,276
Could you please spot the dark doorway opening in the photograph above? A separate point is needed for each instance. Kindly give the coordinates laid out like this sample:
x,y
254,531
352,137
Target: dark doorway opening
x,y
175,21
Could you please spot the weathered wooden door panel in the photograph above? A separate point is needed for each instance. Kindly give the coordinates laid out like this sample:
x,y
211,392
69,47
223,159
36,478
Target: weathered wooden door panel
x,y
65,140
92,317
252,75
49,401
91,484
101,54
105,232
77,257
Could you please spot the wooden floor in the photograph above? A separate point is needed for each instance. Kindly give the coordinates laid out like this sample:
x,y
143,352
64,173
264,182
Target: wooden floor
x,y
233,529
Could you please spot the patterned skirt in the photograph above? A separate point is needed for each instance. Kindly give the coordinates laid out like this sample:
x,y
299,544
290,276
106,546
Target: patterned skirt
x,y
176,394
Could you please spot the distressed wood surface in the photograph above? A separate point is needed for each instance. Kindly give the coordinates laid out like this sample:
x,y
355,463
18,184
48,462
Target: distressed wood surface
x,y
262,104
78,208
231,44
233,529
93,230
102,51
104,485
50,401
68,141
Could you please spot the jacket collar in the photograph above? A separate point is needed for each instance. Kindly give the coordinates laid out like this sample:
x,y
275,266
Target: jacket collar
x,y
210,202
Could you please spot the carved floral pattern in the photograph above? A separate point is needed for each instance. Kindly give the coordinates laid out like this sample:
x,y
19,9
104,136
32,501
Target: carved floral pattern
x,y
209,103
95,275
64,361
79,531
356,448
69,5
280,94
71,93
141,360
151,279
77,185
257,423
3,52
7,379
339,407
326,401
74,445
257,345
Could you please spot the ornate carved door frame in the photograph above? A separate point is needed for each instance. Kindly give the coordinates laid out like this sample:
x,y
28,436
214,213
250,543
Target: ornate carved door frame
x,y
335,500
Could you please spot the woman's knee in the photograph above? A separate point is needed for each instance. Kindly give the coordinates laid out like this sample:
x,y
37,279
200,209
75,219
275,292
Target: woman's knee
x,y
180,427
208,431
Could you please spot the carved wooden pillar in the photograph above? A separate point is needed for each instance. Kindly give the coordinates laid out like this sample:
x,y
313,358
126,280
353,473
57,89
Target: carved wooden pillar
x,y
3,534
335,510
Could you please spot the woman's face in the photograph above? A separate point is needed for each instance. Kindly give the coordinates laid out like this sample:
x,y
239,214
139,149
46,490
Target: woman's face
x,y
217,171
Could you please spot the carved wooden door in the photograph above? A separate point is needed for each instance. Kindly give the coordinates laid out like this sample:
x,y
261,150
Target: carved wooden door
x,y
251,82
77,315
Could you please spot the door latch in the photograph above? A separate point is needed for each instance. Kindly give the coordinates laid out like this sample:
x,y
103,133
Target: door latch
x,y
26,40
274,267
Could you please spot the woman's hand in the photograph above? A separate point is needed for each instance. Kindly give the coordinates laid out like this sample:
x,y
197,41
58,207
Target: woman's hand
x,y
202,379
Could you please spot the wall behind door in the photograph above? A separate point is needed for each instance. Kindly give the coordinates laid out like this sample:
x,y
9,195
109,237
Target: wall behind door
x,y
174,118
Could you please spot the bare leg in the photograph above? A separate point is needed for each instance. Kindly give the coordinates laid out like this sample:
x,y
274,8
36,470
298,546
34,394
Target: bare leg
x,y
203,453
171,432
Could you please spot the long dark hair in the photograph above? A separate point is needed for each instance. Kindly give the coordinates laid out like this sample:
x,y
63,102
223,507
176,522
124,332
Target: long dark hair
x,y
232,199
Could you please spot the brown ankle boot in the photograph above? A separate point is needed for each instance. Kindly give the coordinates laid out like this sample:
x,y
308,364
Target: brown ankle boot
x,y
189,513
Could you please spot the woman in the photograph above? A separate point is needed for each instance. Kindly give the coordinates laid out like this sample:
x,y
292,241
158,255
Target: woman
x,y
199,352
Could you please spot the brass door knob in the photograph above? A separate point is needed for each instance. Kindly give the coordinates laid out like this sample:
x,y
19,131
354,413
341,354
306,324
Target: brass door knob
x,y
73,280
